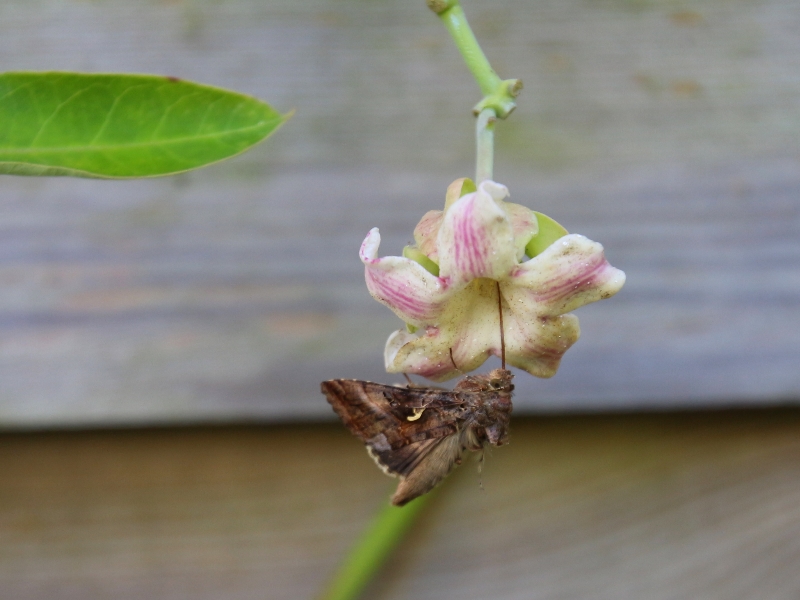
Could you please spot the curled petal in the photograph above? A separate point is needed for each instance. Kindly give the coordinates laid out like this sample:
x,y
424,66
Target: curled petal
x,y
415,295
396,340
524,225
426,231
476,238
572,272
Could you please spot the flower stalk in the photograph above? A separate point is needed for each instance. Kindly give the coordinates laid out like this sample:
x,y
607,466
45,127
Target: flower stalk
x,y
484,145
454,19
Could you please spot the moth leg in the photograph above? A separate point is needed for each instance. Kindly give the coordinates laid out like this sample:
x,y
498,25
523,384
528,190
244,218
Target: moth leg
x,y
481,459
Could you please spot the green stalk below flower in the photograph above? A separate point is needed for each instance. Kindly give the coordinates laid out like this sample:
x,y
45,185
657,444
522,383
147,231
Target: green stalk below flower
x,y
372,550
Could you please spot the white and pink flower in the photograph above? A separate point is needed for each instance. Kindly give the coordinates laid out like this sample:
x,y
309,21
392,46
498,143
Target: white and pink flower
x,y
478,242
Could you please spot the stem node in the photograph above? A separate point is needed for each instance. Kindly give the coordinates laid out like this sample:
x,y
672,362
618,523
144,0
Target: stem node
x,y
501,99
439,6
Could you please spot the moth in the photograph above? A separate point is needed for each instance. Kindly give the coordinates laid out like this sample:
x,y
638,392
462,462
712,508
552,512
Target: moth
x,y
419,433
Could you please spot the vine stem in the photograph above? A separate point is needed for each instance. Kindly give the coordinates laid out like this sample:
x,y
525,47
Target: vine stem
x,y
373,548
497,93
455,21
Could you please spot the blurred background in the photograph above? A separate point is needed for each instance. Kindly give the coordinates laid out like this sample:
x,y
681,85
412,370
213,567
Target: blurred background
x,y
162,341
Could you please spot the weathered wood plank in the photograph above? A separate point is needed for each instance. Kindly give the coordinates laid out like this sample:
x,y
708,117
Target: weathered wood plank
x,y
617,507
669,134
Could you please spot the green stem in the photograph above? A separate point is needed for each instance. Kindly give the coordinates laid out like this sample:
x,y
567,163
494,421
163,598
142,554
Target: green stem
x,y
372,550
498,94
456,23
484,142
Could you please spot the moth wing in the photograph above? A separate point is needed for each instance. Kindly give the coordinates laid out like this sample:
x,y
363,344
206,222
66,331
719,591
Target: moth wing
x,y
412,433
432,461
387,417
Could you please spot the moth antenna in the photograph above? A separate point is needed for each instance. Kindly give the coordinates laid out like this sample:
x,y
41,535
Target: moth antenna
x,y
502,333
408,379
480,469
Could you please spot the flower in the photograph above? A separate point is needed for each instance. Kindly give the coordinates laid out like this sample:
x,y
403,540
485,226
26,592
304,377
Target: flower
x,y
479,245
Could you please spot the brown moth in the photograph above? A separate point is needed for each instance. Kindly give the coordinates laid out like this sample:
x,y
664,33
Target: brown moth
x,y
419,433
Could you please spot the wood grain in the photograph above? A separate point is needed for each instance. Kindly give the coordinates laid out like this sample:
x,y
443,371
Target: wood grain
x,y
667,133
656,507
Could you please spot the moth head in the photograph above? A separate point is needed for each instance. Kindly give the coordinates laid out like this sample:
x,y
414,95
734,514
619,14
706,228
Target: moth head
x,y
500,380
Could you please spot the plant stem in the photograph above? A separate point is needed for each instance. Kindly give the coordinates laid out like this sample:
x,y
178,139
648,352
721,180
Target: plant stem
x,y
497,93
456,23
372,550
484,143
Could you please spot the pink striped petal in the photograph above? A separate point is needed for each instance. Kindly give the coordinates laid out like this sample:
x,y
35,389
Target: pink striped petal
x,y
476,238
426,232
465,335
413,294
572,272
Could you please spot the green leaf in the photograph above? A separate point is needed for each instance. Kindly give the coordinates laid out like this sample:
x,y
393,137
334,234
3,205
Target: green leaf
x,y
121,126
549,232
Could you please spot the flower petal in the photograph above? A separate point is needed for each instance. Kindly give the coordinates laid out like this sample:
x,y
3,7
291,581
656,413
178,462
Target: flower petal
x,y
427,355
524,225
476,238
570,273
426,232
464,336
413,294
536,344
